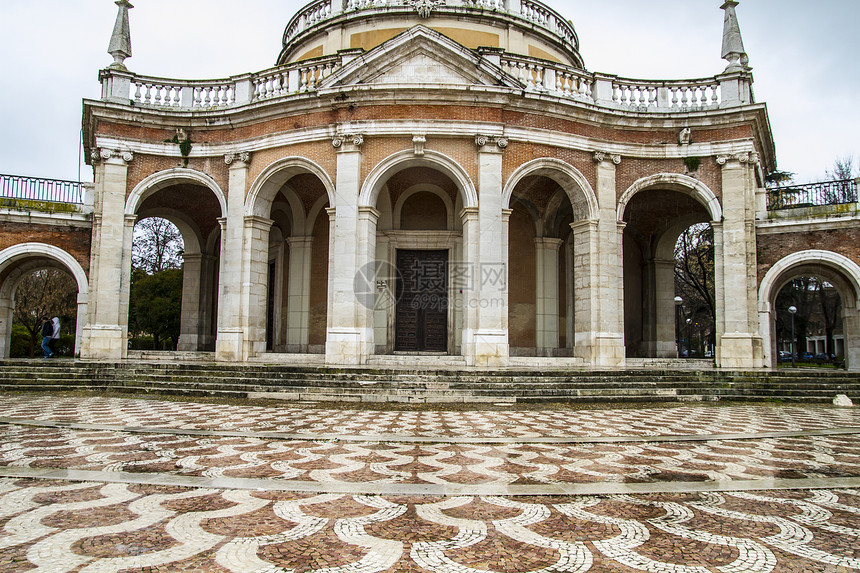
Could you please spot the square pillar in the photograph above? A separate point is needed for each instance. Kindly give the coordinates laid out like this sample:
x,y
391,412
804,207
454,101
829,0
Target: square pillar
x,y
255,282
739,344
491,332
189,323
229,345
106,334
299,293
547,324
664,309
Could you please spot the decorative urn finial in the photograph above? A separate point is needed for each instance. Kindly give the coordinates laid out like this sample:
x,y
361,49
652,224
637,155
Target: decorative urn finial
x,y
733,45
120,40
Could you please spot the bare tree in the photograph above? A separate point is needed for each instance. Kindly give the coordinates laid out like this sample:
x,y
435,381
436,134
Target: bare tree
x,y
46,292
157,245
694,279
843,168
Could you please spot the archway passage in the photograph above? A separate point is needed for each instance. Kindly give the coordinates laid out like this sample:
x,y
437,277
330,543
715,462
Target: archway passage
x,y
418,239
654,312
297,265
823,288
540,253
195,212
809,329
17,264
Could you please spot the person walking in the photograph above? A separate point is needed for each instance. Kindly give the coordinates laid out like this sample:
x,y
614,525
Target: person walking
x,y
55,334
47,333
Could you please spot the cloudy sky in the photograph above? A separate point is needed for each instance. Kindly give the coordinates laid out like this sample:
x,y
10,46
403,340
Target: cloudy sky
x,y
804,55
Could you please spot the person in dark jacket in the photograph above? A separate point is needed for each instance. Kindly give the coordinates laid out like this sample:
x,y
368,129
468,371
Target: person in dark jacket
x,y
47,333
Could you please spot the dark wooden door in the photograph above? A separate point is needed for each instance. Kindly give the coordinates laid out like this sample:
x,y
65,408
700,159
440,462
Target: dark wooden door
x,y
421,323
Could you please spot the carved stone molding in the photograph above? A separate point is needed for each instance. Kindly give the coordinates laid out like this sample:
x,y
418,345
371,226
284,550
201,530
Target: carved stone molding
x,y
685,137
425,7
742,158
601,156
243,156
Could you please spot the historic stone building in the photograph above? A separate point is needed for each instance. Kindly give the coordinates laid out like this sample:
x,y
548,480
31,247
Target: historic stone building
x,y
444,177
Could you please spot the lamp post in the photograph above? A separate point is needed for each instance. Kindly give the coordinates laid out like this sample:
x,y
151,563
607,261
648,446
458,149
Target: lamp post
x,y
678,302
689,334
792,310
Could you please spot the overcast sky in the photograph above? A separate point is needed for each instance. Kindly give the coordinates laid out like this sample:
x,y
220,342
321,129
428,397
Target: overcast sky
x,y
804,54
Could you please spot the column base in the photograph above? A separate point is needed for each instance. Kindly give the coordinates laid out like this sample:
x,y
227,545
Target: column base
x,y
229,344
104,342
600,349
343,346
740,350
489,349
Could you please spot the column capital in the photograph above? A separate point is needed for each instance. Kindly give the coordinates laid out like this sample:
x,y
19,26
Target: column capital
x,y
548,242
369,212
742,158
256,222
491,144
300,241
468,213
601,156
113,156
240,159
584,225
130,219
348,143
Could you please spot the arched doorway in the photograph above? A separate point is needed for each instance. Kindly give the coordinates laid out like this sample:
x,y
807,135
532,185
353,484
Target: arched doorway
x,y
802,280
288,202
16,263
195,211
654,217
421,272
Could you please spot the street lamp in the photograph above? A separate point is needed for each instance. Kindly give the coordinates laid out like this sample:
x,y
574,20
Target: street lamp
x,y
689,335
678,302
792,310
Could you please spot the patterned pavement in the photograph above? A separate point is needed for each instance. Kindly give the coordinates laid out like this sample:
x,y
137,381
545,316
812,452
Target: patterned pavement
x,y
149,485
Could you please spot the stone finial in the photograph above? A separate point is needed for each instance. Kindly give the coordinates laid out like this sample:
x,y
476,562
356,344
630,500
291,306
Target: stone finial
x,y
733,45
120,40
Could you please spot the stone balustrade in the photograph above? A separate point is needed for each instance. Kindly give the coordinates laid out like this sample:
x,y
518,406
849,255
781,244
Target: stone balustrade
x,y
536,75
818,194
23,188
535,12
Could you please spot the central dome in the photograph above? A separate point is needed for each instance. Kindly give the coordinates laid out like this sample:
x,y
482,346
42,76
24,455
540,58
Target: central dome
x,y
523,27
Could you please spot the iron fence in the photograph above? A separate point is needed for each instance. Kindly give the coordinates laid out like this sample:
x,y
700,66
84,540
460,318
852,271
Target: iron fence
x,y
40,189
813,195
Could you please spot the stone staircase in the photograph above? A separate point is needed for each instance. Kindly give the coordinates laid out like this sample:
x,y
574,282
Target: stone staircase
x,y
425,384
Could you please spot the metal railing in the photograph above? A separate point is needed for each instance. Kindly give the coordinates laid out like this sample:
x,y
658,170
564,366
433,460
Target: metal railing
x,y
813,195
40,189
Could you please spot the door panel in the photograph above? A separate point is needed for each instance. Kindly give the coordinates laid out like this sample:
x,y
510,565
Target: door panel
x,y
421,320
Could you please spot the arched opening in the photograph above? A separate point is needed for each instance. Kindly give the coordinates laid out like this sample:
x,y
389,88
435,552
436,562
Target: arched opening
x,y
666,237
155,300
540,252
297,264
419,262
178,221
822,289
27,271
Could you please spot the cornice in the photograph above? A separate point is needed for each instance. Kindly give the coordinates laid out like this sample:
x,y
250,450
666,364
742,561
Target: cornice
x,y
437,129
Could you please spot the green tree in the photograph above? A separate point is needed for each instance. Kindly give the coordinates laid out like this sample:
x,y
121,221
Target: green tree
x,y
155,306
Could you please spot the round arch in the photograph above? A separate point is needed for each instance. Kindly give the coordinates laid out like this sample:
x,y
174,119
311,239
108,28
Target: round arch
x,y
170,177
273,177
17,254
569,178
834,265
674,182
773,280
406,159
191,236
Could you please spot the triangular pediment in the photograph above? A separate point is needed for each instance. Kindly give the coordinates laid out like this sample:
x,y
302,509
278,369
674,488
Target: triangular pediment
x,y
420,56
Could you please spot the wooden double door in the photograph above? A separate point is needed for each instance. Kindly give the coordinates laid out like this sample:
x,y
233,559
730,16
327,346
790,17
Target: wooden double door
x,y
421,316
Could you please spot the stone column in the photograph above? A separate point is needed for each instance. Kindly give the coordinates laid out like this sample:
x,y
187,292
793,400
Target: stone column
x,y
491,334
230,339
664,309
851,329
208,276
255,281
546,257
299,293
739,344
368,217
106,332
465,281
189,326
598,274
344,335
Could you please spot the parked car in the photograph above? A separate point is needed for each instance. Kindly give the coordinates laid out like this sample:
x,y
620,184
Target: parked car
x,y
785,356
824,357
